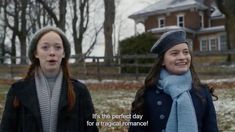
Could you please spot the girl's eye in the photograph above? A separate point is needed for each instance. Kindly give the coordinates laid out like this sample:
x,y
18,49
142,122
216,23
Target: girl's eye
x,y
58,47
45,47
186,52
174,53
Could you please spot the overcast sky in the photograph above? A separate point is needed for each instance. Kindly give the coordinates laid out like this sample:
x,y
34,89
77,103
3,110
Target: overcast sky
x,y
123,10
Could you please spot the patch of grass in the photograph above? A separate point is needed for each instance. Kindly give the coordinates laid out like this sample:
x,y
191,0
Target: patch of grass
x,y
110,101
209,67
3,88
210,59
118,101
3,91
215,71
225,108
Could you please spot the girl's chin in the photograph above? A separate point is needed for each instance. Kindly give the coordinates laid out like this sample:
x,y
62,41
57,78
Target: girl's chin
x,y
180,71
52,68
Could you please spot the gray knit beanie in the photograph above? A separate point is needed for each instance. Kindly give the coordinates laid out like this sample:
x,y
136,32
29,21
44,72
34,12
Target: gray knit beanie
x,y
40,33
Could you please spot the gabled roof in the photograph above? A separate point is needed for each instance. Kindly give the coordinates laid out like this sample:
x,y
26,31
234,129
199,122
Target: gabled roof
x,y
164,6
216,14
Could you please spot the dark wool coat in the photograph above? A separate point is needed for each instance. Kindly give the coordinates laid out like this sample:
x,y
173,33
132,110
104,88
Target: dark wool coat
x,y
27,118
158,107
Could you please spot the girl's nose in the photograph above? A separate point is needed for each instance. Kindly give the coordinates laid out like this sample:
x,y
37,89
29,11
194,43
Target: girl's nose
x,y
181,55
52,52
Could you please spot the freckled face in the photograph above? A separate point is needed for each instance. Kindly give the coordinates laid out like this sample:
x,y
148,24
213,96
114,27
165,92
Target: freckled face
x,y
177,59
50,51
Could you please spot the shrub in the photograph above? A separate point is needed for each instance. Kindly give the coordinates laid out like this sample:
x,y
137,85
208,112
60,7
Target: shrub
x,y
136,45
139,44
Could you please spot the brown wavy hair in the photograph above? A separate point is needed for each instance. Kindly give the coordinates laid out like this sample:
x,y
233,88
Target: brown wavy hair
x,y
153,77
71,97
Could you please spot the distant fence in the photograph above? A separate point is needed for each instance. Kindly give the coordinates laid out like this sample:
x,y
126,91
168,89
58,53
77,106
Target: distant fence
x,y
127,66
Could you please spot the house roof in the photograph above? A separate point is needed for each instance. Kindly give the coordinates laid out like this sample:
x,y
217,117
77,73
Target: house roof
x,y
169,28
216,14
211,29
201,31
164,6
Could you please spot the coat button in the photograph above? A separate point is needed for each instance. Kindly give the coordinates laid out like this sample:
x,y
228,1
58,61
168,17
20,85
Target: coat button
x,y
162,116
159,102
157,91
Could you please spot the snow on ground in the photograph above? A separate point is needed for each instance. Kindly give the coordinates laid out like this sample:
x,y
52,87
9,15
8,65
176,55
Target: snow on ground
x,y
118,101
219,80
229,80
225,108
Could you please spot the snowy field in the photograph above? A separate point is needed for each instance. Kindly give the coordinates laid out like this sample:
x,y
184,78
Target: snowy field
x,y
225,108
116,101
113,98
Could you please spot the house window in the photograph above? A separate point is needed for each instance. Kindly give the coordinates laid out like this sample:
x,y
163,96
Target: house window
x,y
213,44
201,20
204,45
223,44
161,22
180,20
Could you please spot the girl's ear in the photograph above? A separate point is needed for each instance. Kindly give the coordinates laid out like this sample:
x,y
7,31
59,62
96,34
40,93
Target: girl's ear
x,y
35,54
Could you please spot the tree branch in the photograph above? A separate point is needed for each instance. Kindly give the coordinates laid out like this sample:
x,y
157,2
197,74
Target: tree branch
x,y
49,11
88,52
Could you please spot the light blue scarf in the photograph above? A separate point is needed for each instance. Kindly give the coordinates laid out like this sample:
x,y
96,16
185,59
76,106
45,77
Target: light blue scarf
x,y
182,117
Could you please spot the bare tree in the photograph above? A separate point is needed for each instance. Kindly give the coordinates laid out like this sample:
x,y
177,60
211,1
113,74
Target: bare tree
x,y
24,17
18,26
109,19
94,41
2,33
38,16
22,34
59,21
7,15
80,28
2,43
227,8
80,10
80,19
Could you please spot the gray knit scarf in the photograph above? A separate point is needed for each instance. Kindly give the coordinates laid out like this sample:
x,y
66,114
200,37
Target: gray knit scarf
x,y
182,117
48,104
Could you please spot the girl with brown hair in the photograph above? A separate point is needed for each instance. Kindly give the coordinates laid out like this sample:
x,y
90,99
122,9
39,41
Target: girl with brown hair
x,y
48,99
173,98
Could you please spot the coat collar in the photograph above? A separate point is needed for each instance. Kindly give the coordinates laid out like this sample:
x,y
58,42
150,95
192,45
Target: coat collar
x,y
28,97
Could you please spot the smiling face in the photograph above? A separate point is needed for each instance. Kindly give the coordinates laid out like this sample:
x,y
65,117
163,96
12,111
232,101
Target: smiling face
x,y
177,59
50,52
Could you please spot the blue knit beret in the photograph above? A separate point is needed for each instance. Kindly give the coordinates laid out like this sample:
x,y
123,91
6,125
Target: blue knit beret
x,y
40,33
168,40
